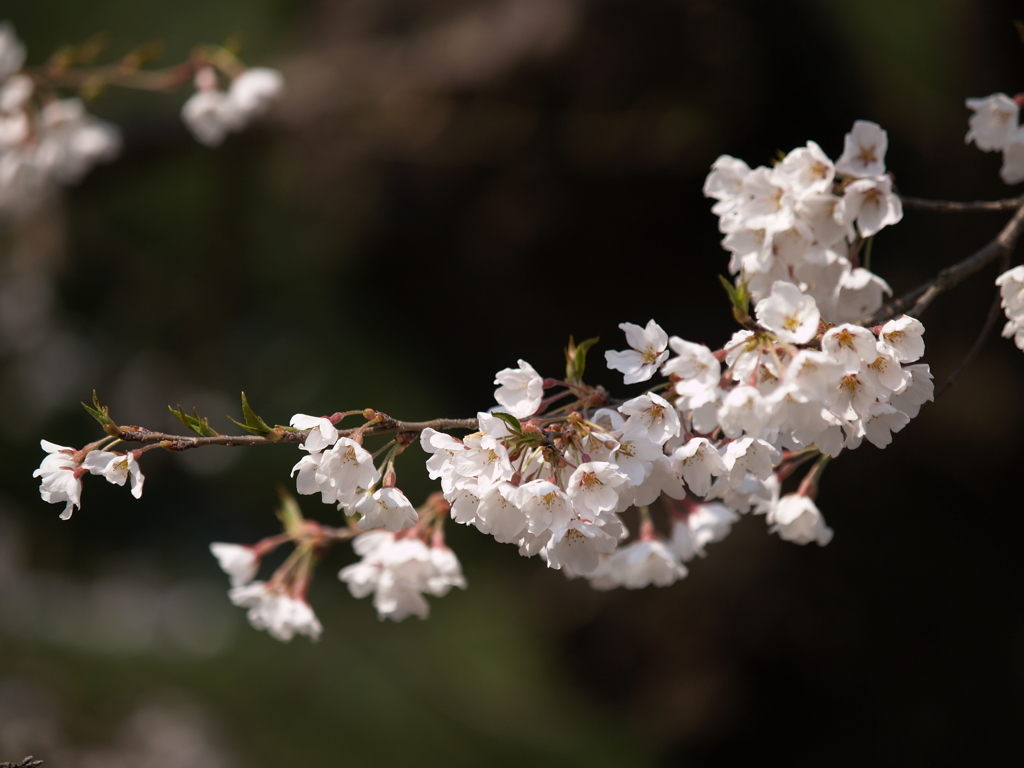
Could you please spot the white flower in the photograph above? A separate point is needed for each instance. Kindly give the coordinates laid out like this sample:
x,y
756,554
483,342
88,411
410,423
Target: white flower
x,y
398,572
697,367
765,203
903,337
807,170
237,561
863,150
1011,288
649,350
208,116
860,293
797,519
920,390
61,481
545,505
482,458
725,182
591,488
697,462
709,523
871,203
749,454
337,472
388,508
578,547
655,414
881,421
637,565
12,51
322,432
1012,171
212,114
851,345
743,411
71,141
993,123
253,91
520,390
789,313
499,513
282,615
116,468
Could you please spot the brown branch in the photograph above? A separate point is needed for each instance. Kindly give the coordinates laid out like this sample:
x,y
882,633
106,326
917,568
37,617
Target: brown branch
x,y
124,76
948,206
387,426
1002,245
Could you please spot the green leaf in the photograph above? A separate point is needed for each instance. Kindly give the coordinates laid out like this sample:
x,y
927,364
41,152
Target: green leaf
x,y
739,297
196,423
581,355
289,513
253,423
576,359
100,412
513,423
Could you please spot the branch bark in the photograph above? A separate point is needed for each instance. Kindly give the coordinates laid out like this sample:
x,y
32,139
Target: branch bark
x,y
388,426
950,277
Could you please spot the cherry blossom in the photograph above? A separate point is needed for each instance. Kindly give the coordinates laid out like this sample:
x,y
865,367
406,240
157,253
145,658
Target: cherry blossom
x,y
61,478
238,561
796,518
649,350
520,390
993,123
281,615
863,150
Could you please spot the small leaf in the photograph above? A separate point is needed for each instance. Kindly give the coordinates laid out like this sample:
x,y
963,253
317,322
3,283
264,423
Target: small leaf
x,y
196,423
570,359
253,423
513,423
289,513
99,412
576,359
739,297
581,355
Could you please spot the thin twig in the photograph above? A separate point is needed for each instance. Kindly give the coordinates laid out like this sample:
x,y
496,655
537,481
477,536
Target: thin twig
x,y
950,277
995,312
948,206
117,74
185,442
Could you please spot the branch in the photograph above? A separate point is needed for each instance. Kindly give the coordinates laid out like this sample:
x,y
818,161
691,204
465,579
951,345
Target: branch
x,y
1002,245
947,206
386,426
121,75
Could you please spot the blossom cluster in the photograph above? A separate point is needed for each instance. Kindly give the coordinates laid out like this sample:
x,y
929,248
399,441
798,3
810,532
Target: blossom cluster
x,y
560,468
398,569
42,144
995,127
211,114
63,469
1011,289
803,221
47,141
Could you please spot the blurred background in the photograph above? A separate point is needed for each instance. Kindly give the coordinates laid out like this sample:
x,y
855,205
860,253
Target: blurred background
x,y
448,187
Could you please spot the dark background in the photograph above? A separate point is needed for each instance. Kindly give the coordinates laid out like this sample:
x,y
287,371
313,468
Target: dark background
x,y
448,187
